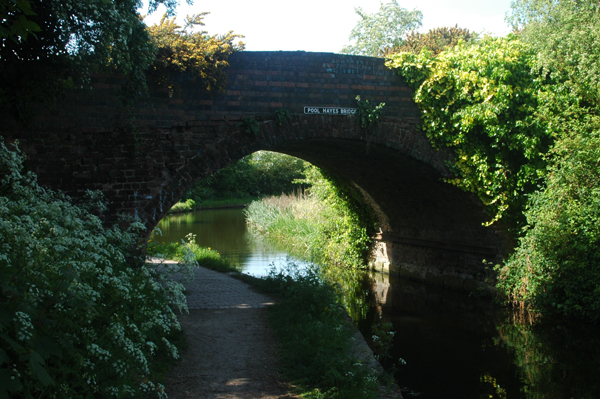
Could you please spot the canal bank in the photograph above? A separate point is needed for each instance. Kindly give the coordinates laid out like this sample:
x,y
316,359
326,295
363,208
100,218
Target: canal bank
x,y
232,352
452,342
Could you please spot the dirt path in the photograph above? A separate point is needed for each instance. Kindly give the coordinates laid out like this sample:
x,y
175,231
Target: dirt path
x,y
231,351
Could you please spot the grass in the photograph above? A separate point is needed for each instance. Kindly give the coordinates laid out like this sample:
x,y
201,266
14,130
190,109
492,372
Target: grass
x,y
313,332
295,220
315,337
326,230
190,205
205,257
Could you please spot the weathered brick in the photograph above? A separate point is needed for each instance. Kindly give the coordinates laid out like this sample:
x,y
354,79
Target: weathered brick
x,y
146,157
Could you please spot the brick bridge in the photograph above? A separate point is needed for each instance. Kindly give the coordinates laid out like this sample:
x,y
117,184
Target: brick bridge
x,y
144,159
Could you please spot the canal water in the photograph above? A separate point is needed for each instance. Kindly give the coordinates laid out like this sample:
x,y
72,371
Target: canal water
x,y
447,344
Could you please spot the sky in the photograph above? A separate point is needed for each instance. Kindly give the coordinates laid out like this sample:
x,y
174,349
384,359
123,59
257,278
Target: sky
x,y
325,25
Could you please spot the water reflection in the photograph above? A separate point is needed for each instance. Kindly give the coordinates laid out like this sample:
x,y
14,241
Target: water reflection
x,y
454,345
460,346
225,231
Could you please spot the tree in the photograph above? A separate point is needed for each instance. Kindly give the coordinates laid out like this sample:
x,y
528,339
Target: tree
x,y
566,36
436,40
14,24
192,53
261,173
75,38
375,33
556,268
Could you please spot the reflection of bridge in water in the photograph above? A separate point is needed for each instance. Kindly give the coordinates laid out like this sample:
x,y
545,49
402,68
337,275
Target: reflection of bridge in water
x,y
146,157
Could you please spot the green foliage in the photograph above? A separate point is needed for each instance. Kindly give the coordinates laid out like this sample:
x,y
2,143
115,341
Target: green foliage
x,y
316,338
14,24
76,320
557,265
385,29
258,174
481,100
436,41
76,38
282,116
188,55
204,257
250,125
293,220
382,339
566,37
185,206
331,225
351,223
555,269
367,114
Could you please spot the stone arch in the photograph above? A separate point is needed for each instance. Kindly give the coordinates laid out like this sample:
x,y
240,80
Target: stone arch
x,y
428,229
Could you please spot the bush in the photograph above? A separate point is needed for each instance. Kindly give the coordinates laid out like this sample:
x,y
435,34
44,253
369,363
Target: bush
x,y
76,320
557,265
184,206
481,100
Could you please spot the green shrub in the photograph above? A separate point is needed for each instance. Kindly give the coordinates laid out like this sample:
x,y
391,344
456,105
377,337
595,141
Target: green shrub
x,y
183,206
316,337
76,320
557,265
481,99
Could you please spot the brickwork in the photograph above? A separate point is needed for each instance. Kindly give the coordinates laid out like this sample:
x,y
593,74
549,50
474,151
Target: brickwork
x,y
146,157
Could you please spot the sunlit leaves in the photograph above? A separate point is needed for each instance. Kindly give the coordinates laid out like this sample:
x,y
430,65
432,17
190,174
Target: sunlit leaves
x,y
481,100
566,36
193,54
436,40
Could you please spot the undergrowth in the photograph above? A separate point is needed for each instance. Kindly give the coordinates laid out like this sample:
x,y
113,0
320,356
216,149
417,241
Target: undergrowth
x,y
205,257
331,224
316,337
76,319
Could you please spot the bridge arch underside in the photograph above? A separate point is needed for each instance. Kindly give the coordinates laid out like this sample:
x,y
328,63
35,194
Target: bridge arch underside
x,y
428,230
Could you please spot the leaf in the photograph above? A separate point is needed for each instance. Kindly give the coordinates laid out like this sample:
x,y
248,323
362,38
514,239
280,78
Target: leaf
x,y
46,347
13,344
38,367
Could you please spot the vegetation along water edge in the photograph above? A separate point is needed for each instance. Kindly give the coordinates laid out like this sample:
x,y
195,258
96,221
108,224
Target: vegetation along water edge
x,y
316,337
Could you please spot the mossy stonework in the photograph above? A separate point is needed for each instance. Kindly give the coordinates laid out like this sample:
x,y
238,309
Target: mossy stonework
x,y
146,157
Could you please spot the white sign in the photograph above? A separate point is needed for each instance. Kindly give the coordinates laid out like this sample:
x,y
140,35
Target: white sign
x,y
329,111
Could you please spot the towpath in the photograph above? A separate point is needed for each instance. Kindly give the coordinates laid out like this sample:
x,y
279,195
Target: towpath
x,y
231,352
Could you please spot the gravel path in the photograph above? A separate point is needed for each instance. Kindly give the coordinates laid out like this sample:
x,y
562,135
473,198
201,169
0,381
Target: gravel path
x,y
231,351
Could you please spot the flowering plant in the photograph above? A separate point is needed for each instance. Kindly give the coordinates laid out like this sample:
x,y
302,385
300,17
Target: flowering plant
x,y
76,320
